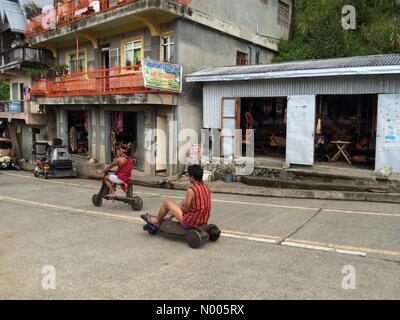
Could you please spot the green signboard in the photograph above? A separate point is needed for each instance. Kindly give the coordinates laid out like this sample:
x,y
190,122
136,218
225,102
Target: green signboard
x,y
162,76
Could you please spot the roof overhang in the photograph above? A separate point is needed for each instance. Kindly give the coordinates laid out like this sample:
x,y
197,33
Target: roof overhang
x,y
378,70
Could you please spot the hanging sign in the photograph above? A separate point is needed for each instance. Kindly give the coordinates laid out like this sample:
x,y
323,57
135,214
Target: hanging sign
x,y
162,76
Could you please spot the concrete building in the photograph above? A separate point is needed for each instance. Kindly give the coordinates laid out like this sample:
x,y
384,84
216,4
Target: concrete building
x,y
102,101
306,111
20,118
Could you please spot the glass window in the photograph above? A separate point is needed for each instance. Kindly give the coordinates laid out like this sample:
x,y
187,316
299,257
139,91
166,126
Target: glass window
x,y
132,53
242,59
114,58
73,66
283,14
168,49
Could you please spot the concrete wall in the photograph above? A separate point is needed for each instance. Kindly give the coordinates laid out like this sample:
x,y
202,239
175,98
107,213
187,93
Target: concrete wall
x,y
199,47
246,13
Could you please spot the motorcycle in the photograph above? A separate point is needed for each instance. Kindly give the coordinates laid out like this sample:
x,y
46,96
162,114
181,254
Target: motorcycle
x,y
8,162
42,167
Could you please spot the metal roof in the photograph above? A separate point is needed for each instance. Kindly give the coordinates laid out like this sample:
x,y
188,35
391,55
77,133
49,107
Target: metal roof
x,y
11,13
361,65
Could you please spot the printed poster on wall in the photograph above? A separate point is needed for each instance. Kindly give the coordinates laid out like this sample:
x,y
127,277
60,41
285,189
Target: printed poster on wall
x,y
392,132
162,76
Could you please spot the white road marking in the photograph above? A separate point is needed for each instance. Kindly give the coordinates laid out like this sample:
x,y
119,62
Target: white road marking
x,y
256,239
223,201
319,248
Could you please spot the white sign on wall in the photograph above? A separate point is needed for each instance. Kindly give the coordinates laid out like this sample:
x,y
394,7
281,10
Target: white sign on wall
x,y
300,130
388,132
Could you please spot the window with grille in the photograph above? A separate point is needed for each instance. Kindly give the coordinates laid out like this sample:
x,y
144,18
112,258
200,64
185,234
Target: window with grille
x,y
242,59
168,49
283,14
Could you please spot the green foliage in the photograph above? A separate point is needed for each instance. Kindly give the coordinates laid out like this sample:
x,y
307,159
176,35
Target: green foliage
x,y
31,9
4,90
318,31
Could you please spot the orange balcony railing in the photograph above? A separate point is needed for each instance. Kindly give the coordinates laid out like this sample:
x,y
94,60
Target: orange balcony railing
x,y
68,11
106,81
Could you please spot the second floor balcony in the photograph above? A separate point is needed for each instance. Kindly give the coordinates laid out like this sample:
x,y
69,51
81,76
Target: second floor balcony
x,y
96,82
65,12
25,57
27,111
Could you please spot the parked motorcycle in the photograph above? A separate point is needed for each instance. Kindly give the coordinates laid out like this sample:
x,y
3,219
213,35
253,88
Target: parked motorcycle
x,y
42,167
8,162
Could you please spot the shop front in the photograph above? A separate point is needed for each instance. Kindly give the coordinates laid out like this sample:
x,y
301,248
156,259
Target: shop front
x,y
335,111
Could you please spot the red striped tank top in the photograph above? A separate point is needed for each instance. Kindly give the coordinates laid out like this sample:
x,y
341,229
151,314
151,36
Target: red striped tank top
x,y
199,211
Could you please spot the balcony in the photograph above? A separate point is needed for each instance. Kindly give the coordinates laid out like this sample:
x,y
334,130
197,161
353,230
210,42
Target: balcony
x,y
24,56
97,82
68,11
27,111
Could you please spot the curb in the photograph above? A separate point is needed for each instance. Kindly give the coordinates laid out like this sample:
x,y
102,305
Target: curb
x,y
240,189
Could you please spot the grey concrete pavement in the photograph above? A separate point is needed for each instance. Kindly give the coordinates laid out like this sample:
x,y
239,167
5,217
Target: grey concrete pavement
x,y
102,253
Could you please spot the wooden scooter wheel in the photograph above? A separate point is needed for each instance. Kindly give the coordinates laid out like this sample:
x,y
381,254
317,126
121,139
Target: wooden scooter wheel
x,y
193,239
97,201
137,203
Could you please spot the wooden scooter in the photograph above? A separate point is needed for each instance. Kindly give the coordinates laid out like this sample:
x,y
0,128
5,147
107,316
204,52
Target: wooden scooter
x,y
135,202
194,237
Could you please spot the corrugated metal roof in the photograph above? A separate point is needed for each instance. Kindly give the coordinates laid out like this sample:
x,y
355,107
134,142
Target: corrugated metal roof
x,y
11,12
377,64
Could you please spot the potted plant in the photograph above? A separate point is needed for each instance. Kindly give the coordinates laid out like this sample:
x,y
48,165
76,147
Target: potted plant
x,y
63,68
228,171
31,9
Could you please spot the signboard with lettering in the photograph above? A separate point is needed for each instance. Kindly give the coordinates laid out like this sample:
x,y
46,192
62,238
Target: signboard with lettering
x,y
162,76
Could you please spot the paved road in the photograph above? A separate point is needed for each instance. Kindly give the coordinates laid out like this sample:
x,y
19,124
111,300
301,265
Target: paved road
x,y
270,249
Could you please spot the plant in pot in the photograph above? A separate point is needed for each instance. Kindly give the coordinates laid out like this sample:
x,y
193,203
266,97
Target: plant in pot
x,y
63,69
31,9
228,170
36,74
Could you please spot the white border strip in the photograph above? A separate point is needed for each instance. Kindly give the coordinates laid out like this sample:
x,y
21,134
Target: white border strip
x,y
326,249
228,235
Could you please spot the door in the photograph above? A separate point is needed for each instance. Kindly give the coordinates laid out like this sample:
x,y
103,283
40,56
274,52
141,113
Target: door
x,y
140,141
230,118
300,130
388,132
105,64
161,144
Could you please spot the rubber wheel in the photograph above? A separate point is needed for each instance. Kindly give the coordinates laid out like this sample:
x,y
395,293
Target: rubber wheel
x,y
35,174
214,233
97,201
193,239
137,203
149,230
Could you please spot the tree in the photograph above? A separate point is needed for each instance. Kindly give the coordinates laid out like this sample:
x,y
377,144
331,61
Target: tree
x,y
4,90
318,31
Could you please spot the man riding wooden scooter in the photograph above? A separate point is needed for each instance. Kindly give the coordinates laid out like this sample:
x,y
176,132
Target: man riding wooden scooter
x,y
121,177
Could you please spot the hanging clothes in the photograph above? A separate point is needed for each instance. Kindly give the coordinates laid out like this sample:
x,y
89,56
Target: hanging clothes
x,y
117,122
120,123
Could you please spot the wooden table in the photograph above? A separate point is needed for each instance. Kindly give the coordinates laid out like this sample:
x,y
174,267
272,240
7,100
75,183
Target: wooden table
x,y
342,151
